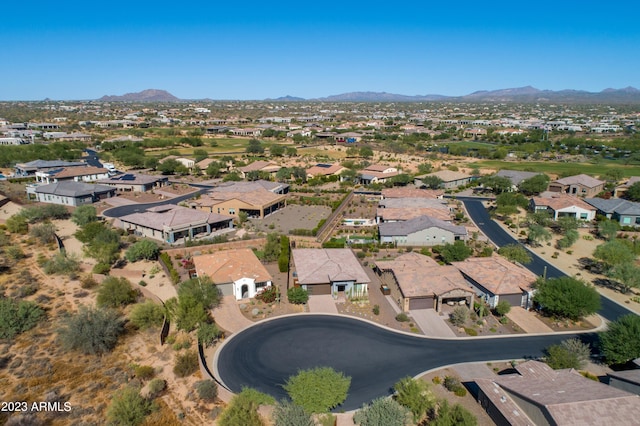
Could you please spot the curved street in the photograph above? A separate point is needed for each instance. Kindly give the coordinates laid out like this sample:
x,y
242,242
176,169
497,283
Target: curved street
x,y
265,355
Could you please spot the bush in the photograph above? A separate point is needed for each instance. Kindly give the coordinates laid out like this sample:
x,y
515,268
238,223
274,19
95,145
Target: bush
x,y
382,412
319,389
503,307
376,309
165,259
241,411
402,317
128,408
156,386
115,292
567,297
416,396
101,268
186,364
17,224
268,295
452,383
144,372
61,265
208,333
87,282
18,317
144,249
207,390
459,316
147,315
44,232
471,331
297,295
92,331
621,342
461,391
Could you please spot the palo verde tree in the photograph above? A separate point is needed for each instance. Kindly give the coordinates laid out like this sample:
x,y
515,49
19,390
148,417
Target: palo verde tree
x,y
319,389
567,297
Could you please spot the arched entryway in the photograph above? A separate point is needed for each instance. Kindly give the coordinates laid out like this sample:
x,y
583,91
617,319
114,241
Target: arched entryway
x,y
244,291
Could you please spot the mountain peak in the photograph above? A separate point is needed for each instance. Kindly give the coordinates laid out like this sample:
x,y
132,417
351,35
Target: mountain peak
x,y
148,95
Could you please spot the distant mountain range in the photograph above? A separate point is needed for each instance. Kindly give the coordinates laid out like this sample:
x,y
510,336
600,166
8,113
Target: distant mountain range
x,y
526,94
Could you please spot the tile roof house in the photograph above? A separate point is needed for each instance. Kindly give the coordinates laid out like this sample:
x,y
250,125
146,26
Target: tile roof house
x,y
408,192
235,272
420,231
30,168
329,271
627,213
562,205
258,198
578,185
69,193
516,176
77,174
323,169
539,395
134,182
376,173
400,214
419,282
170,223
450,179
495,278
620,190
626,380
259,166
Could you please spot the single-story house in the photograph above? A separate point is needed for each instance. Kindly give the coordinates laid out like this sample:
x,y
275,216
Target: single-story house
x,y
258,198
323,169
376,173
171,223
235,272
516,176
620,190
421,231
134,182
579,185
259,166
561,205
408,192
626,380
400,214
348,138
450,179
77,174
495,278
329,271
187,162
627,213
539,395
419,282
69,193
30,168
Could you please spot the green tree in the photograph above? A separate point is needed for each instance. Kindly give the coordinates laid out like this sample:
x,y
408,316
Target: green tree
x,y
534,185
144,249
286,413
503,307
432,182
213,170
424,168
569,239
608,229
416,396
44,232
147,315
17,224
84,214
208,333
366,152
633,193
207,390
115,292
255,147
455,415
201,289
319,389
571,353
456,252
151,163
18,316
621,342
614,252
297,295
566,224
169,166
515,253
541,217
627,275
567,297
92,331
232,177
291,151
276,150
382,412
497,184
538,234
272,248
128,408
186,364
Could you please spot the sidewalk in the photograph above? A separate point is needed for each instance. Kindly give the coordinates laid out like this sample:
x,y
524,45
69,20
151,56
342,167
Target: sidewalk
x,y
527,321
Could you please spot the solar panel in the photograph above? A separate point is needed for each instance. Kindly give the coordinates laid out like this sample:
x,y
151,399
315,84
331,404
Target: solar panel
x,y
324,166
128,177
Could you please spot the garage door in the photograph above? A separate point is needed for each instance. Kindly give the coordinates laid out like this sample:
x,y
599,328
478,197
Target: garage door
x,y
425,303
319,289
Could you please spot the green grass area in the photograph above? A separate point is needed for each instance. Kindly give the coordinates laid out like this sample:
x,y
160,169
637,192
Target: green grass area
x,y
563,168
234,145
472,144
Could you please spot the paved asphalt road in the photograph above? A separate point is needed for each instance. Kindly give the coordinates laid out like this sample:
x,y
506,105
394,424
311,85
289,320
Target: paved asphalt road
x,y
266,355
609,310
92,158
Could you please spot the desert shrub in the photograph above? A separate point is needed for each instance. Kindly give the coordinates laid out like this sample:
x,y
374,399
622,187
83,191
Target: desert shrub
x,y
144,249
14,253
241,411
503,307
92,331
17,224
436,380
115,292
451,383
87,282
376,309
101,268
459,316
297,295
84,214
382,411
156,386
286,413
128,408
165,259
416,396
319,389
17,317
207,390
268,295
147,315
453,415
44,232
471,331
461,391
208,333
402,317
144,372
60,264
186,364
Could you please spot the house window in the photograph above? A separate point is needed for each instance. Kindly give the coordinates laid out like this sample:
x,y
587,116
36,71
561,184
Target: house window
x,y
232,211
638,220
626,221
584,216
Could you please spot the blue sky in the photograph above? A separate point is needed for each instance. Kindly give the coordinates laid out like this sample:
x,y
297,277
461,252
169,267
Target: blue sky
x,y
256,50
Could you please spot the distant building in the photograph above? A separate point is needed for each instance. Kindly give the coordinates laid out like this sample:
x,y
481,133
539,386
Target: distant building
x,y
421,231
133,182
69,193
578,185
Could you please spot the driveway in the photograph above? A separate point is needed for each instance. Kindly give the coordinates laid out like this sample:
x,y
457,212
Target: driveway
x,y
322,304
431,323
